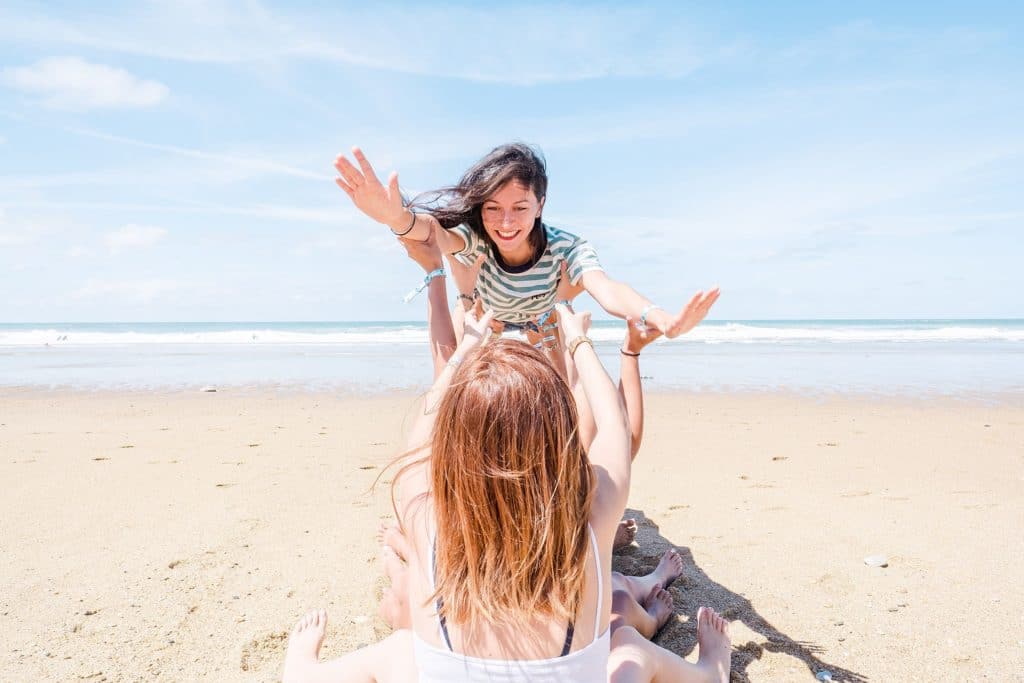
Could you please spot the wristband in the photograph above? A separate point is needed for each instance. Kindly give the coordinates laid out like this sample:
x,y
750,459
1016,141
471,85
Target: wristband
x,y
575,342
454,361
423,285
407,230
624,352
642,325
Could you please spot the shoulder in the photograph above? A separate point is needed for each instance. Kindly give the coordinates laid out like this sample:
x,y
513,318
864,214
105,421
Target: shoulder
x,y
559,239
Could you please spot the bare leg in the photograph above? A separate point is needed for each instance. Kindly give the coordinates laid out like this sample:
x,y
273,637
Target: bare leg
x,y
634,659
668,570
394,603
646,618
389,660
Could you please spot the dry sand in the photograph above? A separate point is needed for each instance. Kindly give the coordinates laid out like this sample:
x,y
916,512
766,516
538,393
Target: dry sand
x,y
178,536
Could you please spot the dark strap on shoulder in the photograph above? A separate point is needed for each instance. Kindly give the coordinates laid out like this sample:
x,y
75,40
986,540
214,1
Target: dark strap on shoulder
x,y
444,625
440,603
569,632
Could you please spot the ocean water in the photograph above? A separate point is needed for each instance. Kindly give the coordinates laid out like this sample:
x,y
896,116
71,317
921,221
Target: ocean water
x,y
917,357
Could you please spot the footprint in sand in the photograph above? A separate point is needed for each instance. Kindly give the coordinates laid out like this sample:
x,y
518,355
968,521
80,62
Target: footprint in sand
x,y
263,651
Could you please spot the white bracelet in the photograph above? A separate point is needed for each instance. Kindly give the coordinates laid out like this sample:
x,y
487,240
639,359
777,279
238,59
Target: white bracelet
x,y
454,361
643,315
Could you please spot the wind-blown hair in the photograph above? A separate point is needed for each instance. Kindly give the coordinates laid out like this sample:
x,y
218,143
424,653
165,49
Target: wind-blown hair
x,y
511,488
462,203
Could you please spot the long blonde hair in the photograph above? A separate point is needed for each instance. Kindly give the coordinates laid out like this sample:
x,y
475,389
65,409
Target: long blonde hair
x,y
511,488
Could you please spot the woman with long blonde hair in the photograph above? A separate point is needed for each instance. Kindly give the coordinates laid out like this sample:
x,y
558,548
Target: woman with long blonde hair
x,y
510,525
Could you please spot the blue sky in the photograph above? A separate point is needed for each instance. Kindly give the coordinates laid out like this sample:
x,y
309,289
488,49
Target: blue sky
x,y
172,161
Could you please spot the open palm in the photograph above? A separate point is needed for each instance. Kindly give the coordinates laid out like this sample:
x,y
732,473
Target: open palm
x,y
382,203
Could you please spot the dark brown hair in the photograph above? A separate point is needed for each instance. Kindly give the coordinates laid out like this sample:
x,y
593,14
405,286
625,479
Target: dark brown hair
x,y
461,203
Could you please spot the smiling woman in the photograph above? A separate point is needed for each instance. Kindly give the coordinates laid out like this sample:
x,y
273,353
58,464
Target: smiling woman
x,y
493,216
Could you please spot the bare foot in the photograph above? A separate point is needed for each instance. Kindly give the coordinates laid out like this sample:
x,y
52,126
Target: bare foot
x,y
394,567
669,568
391,535
304,646
660,606
624,534
715,645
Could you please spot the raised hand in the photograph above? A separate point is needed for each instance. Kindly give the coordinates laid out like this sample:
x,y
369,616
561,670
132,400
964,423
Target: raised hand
x,y
572,324
636,337
381,203
463,275
475,329
686,319
566,290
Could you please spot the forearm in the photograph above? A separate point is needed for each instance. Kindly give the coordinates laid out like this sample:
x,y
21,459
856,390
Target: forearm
x,y
631,389
602,395
414,226
439,322
619,299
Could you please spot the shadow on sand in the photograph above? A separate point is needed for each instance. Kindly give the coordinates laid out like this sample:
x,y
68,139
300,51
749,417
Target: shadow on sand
x,y
695,588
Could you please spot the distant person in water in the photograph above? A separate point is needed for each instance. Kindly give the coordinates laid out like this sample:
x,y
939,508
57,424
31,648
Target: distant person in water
x,y
494,214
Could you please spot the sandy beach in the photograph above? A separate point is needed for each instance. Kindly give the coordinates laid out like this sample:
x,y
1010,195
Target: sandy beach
x,y
178,536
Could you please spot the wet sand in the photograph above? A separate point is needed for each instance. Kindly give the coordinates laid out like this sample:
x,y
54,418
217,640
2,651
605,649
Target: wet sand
x,y
178,536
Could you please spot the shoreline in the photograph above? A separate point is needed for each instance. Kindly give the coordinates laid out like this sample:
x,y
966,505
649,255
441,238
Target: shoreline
x,y
1001,398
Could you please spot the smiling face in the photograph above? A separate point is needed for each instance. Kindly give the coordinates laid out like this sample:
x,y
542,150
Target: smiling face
x,y
508,217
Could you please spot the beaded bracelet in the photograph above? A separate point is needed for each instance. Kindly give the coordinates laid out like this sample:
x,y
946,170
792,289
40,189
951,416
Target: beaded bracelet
x,y
575,342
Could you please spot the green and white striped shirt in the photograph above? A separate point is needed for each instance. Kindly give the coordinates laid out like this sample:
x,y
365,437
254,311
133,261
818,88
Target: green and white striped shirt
x,y
518,294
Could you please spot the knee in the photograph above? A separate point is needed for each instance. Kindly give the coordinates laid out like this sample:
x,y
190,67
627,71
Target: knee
x,y
622,601
628,661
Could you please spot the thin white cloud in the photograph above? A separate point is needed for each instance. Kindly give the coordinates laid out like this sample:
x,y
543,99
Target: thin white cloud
x,y
520,44
133,236
75,84
253,163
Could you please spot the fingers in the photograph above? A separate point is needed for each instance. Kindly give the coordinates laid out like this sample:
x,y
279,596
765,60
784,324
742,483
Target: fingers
x,y
349,172
487,317
393,184
348,190
368,172
479,262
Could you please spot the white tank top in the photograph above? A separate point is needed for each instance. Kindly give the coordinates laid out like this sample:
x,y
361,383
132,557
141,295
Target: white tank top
x,y
587,665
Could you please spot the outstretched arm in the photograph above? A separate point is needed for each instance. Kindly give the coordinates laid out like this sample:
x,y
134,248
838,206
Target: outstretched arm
x,y
383,203
630,385
439,321
473,336
609,451
623,301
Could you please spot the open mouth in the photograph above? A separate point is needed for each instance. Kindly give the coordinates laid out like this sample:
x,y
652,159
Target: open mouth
x,y
507,235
